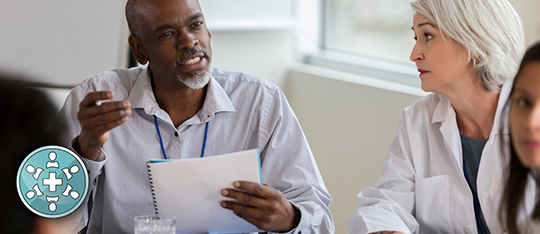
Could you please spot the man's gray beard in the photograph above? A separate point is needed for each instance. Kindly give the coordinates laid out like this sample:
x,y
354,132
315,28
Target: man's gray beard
x,y
198,81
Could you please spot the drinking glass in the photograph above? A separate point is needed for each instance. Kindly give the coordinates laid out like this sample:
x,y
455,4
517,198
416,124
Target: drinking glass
x,y
147,224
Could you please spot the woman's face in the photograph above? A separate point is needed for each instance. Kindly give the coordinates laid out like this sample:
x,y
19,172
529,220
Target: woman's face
x,y
443,63
525,115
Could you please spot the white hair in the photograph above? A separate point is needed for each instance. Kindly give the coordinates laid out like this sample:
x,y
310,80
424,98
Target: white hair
x,y
198,81
490,30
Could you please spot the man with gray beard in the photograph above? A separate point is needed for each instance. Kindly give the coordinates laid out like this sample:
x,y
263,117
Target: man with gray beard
x,y
176,106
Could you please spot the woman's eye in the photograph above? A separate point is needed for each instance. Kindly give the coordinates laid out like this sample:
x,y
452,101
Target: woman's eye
x,y
428,37
521,102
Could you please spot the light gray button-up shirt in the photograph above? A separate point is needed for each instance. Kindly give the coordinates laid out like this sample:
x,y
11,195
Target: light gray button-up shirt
x,y
243,111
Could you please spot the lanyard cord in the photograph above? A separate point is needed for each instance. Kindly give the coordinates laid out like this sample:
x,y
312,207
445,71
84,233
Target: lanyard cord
x,y
475,201
161,141
204,142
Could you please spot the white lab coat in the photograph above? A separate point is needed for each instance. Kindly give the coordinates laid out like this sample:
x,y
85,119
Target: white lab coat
x,y
423,188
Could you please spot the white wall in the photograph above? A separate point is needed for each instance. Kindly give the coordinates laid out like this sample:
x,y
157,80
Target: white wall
x,y
62,41
263,53
528,10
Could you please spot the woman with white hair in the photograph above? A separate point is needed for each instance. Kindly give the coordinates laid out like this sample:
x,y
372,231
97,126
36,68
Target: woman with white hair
x,y
444,169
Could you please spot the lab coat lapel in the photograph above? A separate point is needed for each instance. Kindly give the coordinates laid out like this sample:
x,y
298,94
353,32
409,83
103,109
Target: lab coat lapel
x,y
445,115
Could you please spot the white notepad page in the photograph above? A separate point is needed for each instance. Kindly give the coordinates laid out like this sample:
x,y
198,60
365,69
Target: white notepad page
x,y
190,190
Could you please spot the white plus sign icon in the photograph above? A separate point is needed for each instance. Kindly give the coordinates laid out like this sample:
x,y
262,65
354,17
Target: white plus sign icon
x,y
52,182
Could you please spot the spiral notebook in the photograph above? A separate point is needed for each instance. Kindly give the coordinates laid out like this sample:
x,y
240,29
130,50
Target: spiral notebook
x,y
190,190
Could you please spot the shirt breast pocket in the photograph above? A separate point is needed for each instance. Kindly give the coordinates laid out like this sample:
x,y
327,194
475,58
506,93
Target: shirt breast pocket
x,y
433,204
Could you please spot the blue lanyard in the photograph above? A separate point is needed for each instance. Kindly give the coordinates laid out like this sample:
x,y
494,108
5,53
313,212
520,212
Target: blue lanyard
x,y
161,141
475,201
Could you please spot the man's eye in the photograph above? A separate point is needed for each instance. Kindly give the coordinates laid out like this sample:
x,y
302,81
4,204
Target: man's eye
x,y
166,34
196,24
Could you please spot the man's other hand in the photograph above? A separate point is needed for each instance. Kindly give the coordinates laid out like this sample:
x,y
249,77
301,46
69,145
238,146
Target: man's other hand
x,y
96,120
263,206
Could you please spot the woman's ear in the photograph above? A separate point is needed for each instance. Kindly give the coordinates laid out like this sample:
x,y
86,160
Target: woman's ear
x,y
137,49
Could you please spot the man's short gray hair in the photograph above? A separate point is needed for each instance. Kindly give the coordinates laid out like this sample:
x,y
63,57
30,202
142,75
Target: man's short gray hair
x,y
490,30
131,17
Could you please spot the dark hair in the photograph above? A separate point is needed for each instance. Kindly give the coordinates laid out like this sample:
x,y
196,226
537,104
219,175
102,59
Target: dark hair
x,y
517,179
26,117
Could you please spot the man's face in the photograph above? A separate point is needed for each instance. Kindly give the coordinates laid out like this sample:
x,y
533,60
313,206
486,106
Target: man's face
x,y
175,40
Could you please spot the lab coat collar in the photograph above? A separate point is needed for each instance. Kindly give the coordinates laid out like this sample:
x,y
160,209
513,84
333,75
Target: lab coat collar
x,y
442,110
216,100
444,113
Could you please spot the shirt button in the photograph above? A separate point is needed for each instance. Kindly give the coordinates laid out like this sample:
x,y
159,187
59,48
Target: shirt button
x,y
468,229
176,134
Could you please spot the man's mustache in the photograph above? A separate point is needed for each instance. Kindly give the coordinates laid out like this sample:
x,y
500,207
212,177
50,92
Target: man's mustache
x,y
188,53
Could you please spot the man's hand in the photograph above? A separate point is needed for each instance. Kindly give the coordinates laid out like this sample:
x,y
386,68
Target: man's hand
x,y
97,120
263,206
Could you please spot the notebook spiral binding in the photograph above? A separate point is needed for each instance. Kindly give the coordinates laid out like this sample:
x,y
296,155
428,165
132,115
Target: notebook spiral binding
x,y
152,188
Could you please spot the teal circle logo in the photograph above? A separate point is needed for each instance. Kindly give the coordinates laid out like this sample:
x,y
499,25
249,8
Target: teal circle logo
x,y
52,181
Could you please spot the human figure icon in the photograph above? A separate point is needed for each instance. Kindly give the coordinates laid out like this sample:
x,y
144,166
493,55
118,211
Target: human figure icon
x,y
52,163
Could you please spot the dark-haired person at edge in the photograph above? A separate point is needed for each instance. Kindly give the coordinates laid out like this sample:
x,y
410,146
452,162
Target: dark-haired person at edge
x,y
25,122
179,93
524,165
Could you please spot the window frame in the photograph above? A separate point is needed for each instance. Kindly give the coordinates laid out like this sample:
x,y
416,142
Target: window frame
x,y
311,44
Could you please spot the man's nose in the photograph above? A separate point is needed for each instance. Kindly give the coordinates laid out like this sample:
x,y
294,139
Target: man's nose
x,y
187,41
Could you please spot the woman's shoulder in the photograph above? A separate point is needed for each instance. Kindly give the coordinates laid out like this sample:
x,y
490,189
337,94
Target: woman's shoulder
x,y
424,106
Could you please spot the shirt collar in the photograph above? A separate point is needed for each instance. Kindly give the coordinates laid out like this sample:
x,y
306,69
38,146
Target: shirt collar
x,y
216,101
142,96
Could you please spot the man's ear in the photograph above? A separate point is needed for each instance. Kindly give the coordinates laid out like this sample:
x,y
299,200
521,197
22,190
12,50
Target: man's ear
x,y
137,49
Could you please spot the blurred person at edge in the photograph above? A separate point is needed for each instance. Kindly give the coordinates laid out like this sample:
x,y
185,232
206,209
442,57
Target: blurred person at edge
x,y
524,165
25,122
444,169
